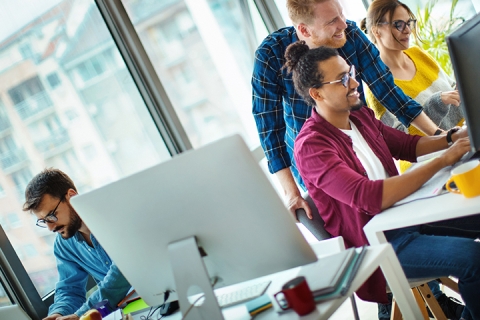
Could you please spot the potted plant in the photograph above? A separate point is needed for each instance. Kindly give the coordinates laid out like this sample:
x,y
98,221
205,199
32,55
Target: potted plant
x,y
432,33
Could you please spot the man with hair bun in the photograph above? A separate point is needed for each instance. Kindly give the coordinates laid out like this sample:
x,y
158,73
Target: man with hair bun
x,y
345,157
280,112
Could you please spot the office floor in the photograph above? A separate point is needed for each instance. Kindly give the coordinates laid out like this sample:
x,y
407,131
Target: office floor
x,y
366,310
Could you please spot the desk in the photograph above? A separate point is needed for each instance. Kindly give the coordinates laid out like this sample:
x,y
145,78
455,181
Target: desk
x,y
443,207
376,255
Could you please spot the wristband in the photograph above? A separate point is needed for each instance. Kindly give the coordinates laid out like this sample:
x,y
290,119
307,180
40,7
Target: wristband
x,y
449,136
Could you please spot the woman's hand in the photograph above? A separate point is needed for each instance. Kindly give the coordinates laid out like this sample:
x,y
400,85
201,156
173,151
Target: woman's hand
x,y
450,97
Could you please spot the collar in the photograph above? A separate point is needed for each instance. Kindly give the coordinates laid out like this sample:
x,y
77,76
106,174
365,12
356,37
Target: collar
x,y
327,125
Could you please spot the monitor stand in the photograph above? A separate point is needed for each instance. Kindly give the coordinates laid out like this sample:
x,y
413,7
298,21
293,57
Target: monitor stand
x,y
189,270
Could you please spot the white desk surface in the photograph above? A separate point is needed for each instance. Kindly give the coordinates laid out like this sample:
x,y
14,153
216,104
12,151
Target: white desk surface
x,y
375,256
442,207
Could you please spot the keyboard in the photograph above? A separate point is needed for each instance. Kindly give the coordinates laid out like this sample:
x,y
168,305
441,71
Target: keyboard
x,y
471,155
243,294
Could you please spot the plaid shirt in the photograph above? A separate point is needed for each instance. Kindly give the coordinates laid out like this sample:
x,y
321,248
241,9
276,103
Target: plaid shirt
x,y
280,112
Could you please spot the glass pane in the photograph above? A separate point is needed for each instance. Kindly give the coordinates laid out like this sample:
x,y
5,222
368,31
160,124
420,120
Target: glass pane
x,y
202,51
4,299
352,9
464,8
66,101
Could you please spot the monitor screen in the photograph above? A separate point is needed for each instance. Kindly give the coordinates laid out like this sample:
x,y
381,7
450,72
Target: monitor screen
x,y
219,196
464,48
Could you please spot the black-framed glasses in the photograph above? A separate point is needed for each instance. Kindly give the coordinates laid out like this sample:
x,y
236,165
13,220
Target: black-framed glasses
x,y
345,78
400,25
49,218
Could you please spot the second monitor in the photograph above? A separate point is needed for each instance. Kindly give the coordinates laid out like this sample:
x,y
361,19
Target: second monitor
x,y
464,49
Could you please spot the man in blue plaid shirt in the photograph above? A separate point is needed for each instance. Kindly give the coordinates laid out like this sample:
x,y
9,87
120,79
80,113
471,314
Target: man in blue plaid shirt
x,y
280,112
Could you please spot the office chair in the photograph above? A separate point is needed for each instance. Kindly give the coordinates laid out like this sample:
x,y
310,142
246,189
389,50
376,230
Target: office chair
x,y
317,227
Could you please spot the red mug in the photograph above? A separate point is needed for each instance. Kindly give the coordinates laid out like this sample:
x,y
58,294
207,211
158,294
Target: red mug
x,y
297,296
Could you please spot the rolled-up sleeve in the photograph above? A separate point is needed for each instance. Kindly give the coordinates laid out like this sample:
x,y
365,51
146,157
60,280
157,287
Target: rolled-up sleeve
x,y
113,288
325,171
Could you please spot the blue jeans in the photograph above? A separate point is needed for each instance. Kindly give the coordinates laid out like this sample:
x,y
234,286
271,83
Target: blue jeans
x,y
440,249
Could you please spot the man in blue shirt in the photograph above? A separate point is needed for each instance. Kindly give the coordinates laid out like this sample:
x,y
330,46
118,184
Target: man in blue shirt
x,y
77,251
280,112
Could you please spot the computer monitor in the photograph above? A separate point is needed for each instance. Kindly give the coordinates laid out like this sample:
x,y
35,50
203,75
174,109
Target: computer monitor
x,y
464,48
216,197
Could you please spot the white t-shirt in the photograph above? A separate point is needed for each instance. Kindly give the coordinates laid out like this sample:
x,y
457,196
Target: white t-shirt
x,y
368,159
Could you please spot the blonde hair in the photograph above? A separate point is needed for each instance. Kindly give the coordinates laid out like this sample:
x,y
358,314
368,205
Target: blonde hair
x,y
302,10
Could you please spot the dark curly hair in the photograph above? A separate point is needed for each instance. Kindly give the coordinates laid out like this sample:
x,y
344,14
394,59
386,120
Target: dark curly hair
x,y
50,181
303,63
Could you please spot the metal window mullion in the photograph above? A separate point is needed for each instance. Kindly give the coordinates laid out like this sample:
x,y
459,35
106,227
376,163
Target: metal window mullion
x,y
270,14
144,75
366,4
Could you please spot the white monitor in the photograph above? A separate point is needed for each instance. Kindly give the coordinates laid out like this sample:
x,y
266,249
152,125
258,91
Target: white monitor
x,y
216,197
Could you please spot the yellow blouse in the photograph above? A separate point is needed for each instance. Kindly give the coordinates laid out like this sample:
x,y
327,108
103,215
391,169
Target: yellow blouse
x,y
428,80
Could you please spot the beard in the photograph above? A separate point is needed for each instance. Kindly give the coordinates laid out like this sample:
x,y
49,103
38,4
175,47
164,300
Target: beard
x,y
357,106
330,42
73,226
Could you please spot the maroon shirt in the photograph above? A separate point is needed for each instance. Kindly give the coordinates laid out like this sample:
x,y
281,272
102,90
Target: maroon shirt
x,y
338,183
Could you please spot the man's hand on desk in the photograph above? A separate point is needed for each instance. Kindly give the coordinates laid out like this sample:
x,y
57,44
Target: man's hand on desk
x,y
456,151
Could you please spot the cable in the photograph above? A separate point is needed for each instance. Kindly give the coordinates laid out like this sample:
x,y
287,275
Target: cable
x,y
152,312
191,306
215,280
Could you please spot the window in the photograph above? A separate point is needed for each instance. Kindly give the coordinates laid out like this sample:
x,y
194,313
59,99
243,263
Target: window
x,y
53,80
202,51
2,191
91,68
4,299
353,10
30,250
464,8
14,221
80,70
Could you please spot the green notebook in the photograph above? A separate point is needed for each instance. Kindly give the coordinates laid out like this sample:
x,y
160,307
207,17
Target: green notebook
x,y
259,304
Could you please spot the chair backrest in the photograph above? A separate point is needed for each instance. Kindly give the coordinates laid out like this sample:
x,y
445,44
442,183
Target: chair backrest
x,y
316,225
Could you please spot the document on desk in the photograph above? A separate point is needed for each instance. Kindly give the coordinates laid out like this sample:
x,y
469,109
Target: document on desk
x,y
431,188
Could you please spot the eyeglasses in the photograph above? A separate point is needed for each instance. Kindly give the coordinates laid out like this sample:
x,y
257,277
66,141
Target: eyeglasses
x,y
49,218
400,25
345,78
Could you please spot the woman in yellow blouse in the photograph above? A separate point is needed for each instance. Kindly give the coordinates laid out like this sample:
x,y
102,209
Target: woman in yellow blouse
x,y
389,24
